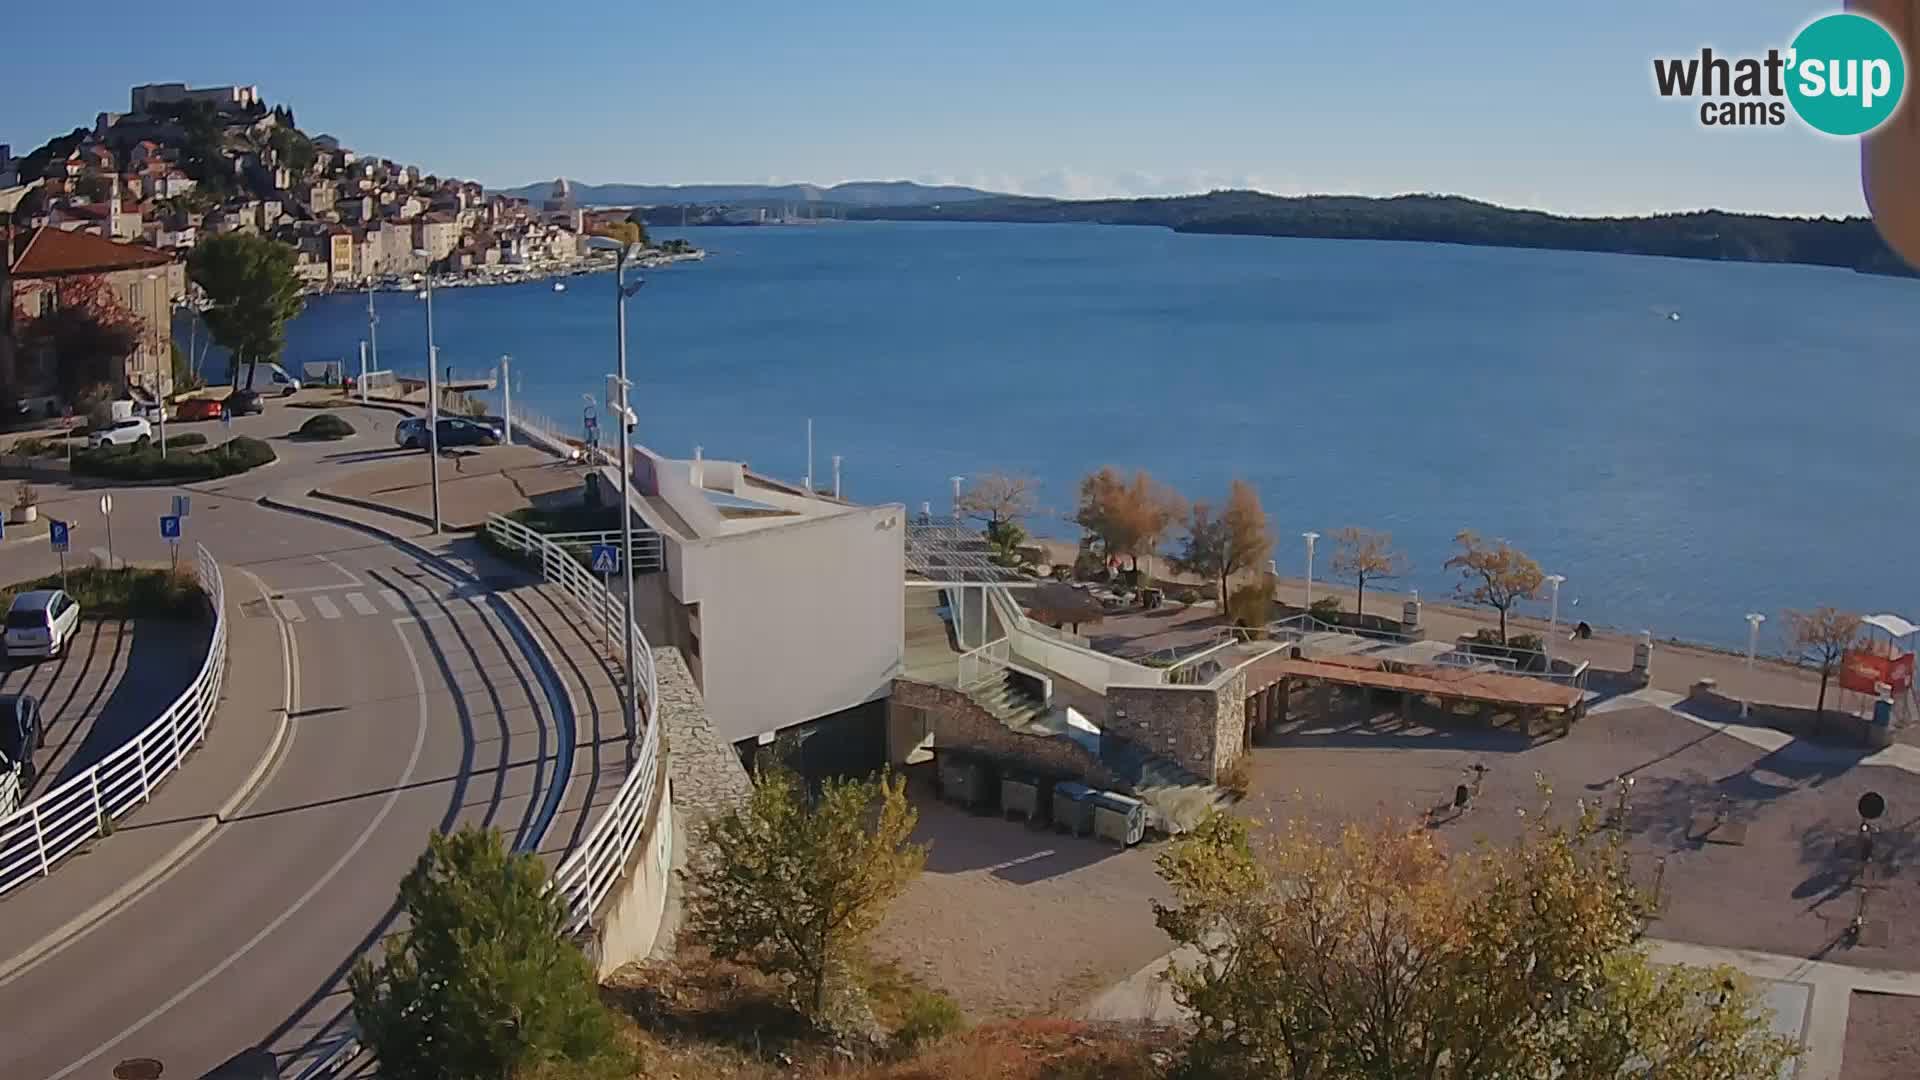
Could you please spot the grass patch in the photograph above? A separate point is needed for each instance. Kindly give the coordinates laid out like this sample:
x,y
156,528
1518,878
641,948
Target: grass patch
x,y
133,463
132,592
324,426
564,519
181,442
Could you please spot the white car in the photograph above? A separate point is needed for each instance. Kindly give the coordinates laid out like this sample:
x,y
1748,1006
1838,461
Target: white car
x,y
41,623
123,433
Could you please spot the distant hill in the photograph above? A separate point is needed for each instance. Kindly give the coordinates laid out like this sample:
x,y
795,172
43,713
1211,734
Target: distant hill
x,y
1851,243
856,193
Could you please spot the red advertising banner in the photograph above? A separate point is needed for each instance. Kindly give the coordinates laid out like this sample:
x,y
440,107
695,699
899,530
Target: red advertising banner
x,y
1866,672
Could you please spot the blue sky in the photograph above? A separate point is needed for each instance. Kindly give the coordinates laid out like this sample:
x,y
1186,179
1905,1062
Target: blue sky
x,y
1539,104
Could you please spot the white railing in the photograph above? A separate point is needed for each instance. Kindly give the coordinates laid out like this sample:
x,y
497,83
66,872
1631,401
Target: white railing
x,y
647,551
36,836
977,667
592,869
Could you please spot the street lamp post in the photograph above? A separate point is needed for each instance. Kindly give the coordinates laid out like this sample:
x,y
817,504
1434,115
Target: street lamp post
x,y
1310,537
433,390
624,416
1754,619
1553,619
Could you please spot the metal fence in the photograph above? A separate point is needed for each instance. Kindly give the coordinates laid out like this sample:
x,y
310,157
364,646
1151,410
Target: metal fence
x,y
36,836
647,551
592,869
980,666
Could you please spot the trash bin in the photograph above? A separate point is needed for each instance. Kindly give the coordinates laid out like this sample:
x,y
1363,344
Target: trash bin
x,y
1119,818
966,780
1072,808
1026,795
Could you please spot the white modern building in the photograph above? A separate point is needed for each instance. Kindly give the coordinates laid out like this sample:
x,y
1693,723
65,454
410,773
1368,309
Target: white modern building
x,y
788,604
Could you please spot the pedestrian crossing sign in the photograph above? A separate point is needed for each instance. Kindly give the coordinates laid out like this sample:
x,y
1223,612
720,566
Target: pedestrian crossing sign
x,y
606,559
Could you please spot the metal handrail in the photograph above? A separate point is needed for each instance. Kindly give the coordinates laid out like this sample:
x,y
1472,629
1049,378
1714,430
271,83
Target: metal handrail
x,y
977,667
592,869
36,836
648,551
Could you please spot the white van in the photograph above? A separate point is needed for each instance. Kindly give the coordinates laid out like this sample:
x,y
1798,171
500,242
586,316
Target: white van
x,y
272,379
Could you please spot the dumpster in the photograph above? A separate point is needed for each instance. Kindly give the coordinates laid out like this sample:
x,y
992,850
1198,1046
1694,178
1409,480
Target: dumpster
x,y
966,780
1119,818
1072,808
1028,796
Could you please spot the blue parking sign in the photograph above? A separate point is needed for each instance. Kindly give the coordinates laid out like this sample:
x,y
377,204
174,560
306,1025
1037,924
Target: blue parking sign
x,y
170,528
57,533
606,559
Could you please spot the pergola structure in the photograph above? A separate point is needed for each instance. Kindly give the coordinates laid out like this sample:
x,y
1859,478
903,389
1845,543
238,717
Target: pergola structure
x,y
948,553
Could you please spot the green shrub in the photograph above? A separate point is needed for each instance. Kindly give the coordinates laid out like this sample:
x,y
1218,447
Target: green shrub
x,y
145,463
928,1017
325,426
1326,609
181,442
129,592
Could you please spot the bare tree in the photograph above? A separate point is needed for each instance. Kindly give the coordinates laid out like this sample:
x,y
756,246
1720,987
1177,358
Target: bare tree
x,y
1821,637
1494,574
1364,555
997,498
1235,540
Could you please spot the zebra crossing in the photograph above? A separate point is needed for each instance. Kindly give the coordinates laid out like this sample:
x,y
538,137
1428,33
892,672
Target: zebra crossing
x,y
391,603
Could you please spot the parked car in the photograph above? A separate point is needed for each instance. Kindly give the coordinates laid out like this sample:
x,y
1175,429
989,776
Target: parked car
x,y
242,402
495,424
41,623
132,432
411,433
20,736
200,408
459,431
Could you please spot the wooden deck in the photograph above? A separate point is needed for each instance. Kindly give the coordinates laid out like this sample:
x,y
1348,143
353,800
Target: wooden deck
x,y
1448,684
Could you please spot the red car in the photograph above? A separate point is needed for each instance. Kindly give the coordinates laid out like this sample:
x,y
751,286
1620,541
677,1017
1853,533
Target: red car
x,y
198,409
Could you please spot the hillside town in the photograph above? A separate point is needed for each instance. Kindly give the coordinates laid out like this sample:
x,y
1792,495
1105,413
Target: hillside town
x,y
185,163
103,219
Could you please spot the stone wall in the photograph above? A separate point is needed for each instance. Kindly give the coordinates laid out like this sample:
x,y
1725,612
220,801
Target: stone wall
x,y
956,722
708,777
1203,728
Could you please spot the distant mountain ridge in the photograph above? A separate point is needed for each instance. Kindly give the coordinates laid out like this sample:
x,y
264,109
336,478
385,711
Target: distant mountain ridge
x,y
854,193
1850,242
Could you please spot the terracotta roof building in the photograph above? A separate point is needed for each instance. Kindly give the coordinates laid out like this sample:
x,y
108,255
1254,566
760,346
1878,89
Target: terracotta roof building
x,y
144,280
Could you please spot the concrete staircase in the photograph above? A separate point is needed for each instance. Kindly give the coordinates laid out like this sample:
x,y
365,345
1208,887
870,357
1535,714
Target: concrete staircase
x,y
1013,702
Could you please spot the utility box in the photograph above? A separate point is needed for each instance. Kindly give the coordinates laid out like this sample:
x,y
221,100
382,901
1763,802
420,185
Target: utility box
x,y
1072,808
1027,796
966,780
1119,818
1643,658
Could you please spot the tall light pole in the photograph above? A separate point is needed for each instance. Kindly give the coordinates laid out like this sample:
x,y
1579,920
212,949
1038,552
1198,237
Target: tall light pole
x,y
373,327
623,415
1553,619
957,481
1754,619
1310,537
433,392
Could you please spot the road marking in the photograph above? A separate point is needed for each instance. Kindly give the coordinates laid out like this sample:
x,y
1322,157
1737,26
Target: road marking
x,y
324,606
386,808
289,610
361,604
352,580
394,600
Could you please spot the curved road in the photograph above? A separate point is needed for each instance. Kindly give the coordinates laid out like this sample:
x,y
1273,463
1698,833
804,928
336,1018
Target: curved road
x,y
413,707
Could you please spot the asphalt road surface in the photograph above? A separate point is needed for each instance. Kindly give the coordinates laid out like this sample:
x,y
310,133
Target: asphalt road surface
x,y
413,707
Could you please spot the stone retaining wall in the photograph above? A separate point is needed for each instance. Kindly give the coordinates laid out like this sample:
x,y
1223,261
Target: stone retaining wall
x,y
1203,728
957,722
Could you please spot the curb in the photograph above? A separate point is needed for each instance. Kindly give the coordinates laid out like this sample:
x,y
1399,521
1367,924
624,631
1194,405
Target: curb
x,y
358,504
176,857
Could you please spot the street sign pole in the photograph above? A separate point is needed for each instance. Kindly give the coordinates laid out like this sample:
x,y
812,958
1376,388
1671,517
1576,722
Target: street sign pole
x,y
605,559
170,532
106,511
57,531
